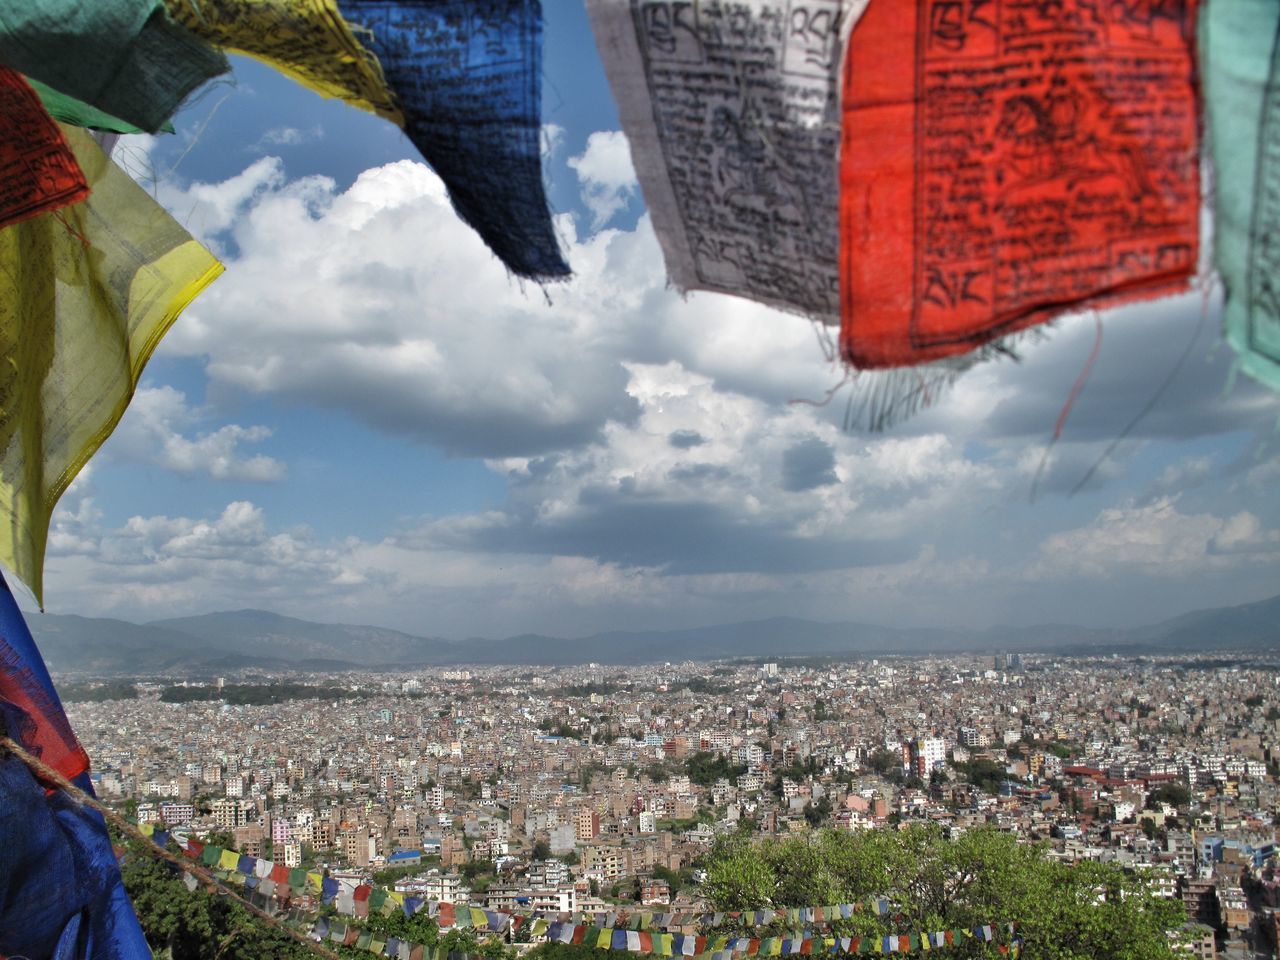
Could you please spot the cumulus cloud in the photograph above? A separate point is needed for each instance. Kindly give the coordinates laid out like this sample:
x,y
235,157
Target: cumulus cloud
x,y
756,493
605,173
652,460
152,431
1156,539
161,565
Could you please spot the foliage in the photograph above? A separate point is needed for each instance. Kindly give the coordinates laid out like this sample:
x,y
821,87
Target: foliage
x,y
986,775
1174,794
255,694
388,876
705,768
885,762
97,691
197,925
1084,912
818,813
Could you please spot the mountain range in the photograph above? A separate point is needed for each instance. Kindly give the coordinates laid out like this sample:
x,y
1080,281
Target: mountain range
x,y
245,639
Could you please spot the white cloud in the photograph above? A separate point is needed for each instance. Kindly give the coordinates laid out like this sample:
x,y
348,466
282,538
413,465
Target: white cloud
x,y
606,175
288,137
1155,539
153,431
655,469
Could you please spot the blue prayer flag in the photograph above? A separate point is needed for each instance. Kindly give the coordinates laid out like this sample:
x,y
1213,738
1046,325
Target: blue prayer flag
x,y
60,886
467,75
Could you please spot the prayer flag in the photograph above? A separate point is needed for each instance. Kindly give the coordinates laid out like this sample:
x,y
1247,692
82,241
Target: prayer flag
x,y
124,57
1241,70
85,296
307,40
467,77
77,113
60,886
1001,164
38,172
732,113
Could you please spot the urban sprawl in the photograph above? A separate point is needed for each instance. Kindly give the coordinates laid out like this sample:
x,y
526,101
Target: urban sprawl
x,y
572,789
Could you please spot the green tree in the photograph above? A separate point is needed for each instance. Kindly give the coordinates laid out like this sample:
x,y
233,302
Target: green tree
x,y
1174,794
1082,912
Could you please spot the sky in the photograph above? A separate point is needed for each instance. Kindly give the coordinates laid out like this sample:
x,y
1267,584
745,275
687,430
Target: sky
x,y
367,420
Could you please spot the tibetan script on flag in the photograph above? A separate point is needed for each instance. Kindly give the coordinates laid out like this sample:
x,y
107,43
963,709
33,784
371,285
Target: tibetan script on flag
x,y
467,75
1005,161
38,172
732,111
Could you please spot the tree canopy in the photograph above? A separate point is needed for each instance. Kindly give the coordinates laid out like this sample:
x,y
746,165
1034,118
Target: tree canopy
x,y
1088,911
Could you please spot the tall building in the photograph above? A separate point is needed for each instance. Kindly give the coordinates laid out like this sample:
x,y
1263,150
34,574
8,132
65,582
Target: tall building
x,y
587,824
925,753
229,813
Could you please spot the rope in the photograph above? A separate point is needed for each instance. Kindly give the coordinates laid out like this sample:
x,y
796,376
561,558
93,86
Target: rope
x,y
45,772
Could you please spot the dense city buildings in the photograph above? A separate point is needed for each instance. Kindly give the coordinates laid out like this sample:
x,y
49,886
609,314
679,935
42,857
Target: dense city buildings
x,y
565,788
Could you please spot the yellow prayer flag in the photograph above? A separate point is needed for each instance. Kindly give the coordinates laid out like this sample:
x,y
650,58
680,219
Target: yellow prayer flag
x,y
315,882
86,293
229,860
307,40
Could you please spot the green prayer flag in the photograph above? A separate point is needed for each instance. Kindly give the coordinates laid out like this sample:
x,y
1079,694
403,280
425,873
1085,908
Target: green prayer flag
x,y
1241,79
125,57
77,113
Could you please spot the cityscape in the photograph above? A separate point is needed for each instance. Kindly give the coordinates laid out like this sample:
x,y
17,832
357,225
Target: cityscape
x,y
576,789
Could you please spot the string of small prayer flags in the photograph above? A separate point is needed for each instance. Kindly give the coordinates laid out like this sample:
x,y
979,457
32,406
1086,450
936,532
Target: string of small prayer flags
x,y
273,879
643,936
722,948
677,945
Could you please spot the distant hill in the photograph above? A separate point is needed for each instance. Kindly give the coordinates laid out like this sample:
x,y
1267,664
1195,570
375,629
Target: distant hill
x,y
257,639
258,633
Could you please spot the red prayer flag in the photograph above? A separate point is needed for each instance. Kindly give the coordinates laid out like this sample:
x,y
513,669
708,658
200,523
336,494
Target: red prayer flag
x,y
646,941
579,932
38,172
280,874
1002,163
446,916
194,847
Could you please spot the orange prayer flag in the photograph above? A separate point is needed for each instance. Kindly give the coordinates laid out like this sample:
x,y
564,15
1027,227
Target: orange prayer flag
x,y
1002,163
38,172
